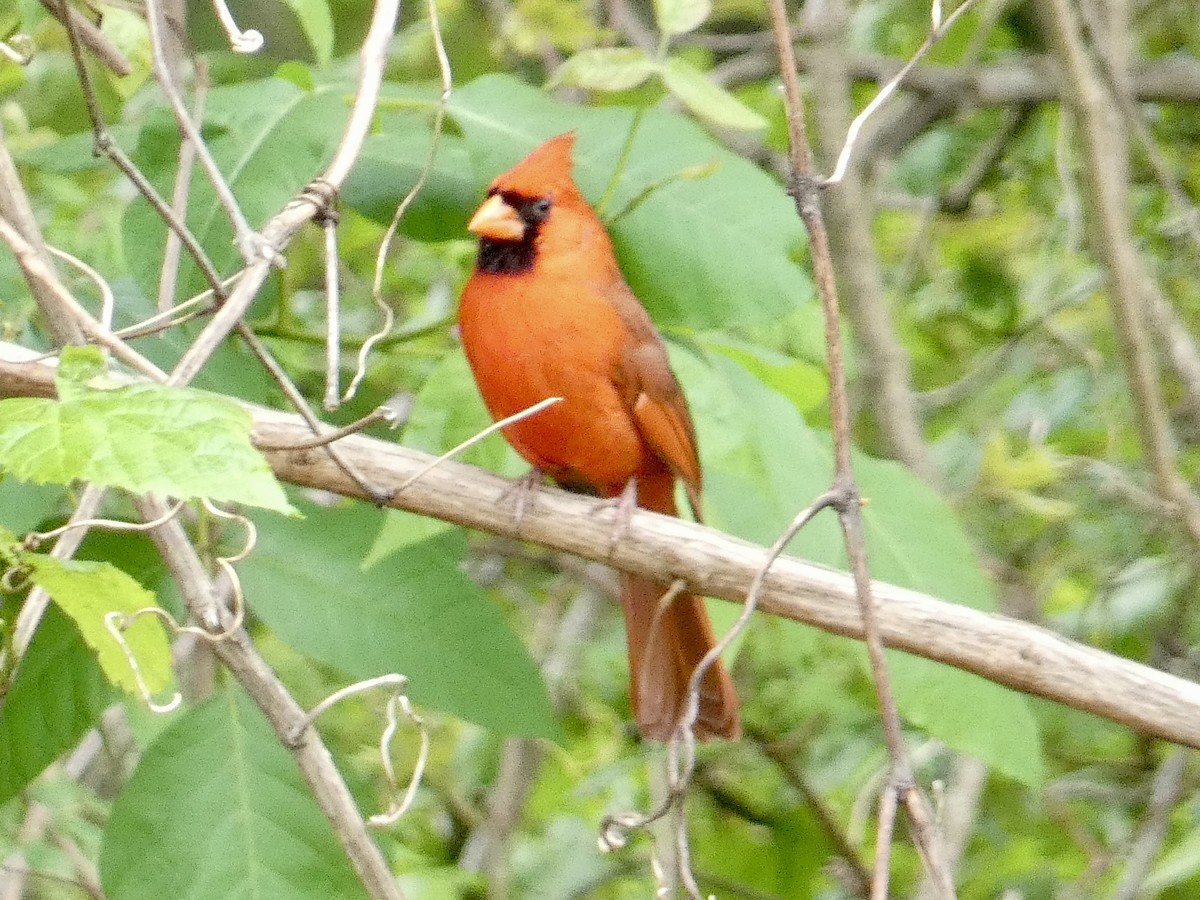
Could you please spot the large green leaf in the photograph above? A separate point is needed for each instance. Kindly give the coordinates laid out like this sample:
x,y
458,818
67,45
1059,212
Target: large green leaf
x,y
715,241
269,138
143,438
414,613
221,806
763,464
393,158
57,695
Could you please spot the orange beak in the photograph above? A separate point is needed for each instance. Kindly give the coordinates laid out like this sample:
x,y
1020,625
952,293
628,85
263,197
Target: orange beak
x,y
497,220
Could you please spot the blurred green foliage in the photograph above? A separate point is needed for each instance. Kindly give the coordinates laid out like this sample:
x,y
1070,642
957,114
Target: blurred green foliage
x,y
997,303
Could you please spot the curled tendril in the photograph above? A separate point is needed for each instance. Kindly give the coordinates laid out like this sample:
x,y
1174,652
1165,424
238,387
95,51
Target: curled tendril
x,y
398,703
19,48
117,624
15,579
250,41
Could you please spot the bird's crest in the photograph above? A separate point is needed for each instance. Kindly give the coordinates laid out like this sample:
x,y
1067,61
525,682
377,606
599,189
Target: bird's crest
x,y
545,171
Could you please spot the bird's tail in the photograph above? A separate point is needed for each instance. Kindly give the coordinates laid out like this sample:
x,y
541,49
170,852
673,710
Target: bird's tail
x,y
667,641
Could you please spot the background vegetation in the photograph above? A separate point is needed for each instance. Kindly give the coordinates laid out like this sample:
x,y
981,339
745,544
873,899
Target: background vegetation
x,y
1018,266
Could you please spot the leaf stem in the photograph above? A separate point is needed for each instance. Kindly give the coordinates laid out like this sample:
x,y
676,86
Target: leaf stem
x,y
622,161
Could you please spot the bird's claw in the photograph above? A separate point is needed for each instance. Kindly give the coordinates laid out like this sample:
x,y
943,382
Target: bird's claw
x,y
624,504
523,490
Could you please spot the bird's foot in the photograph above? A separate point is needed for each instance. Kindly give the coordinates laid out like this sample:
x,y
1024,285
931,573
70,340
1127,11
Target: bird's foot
x,y
624,504
523,490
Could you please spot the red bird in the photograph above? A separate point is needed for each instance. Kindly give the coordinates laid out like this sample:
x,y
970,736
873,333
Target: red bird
x,y
547,313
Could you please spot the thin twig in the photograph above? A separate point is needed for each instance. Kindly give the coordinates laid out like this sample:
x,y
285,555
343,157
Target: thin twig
x,y
936,33
16,208
168,280
383,414
249,242
89,35
805,192
248,41
439,115
857,872
883,841
333,309
38,274
1164,797
473,440
1104,153
108,302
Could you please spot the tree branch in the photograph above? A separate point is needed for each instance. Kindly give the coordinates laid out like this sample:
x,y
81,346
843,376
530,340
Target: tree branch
x,y
204,601
91,37
1104,172
885,362
1016,654
1016,81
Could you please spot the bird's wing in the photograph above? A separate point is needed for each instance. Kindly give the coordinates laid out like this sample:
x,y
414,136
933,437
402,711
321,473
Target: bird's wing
x,y
654,397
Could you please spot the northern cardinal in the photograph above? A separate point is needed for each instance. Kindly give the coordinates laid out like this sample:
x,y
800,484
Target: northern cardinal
x,y
547,313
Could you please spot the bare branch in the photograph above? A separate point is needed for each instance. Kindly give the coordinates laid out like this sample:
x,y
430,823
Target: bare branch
x,y
1107,190
804,188
248,241
15,208
90,36
1016,654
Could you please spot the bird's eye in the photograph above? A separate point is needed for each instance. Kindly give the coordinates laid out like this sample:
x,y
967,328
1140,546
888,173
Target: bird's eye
x,y
536,212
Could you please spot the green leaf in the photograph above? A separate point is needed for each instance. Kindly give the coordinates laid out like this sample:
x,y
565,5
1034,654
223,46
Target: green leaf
x,y
393,158
971,715
24,506
296,30
142,438
317,21
414,613
605,69
89,591
77,367
699,252
681,16
806,385
756,451
220,799
708,100
400,531
57,695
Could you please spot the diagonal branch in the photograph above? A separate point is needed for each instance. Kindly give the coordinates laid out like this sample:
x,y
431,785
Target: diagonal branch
x,y
287,718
